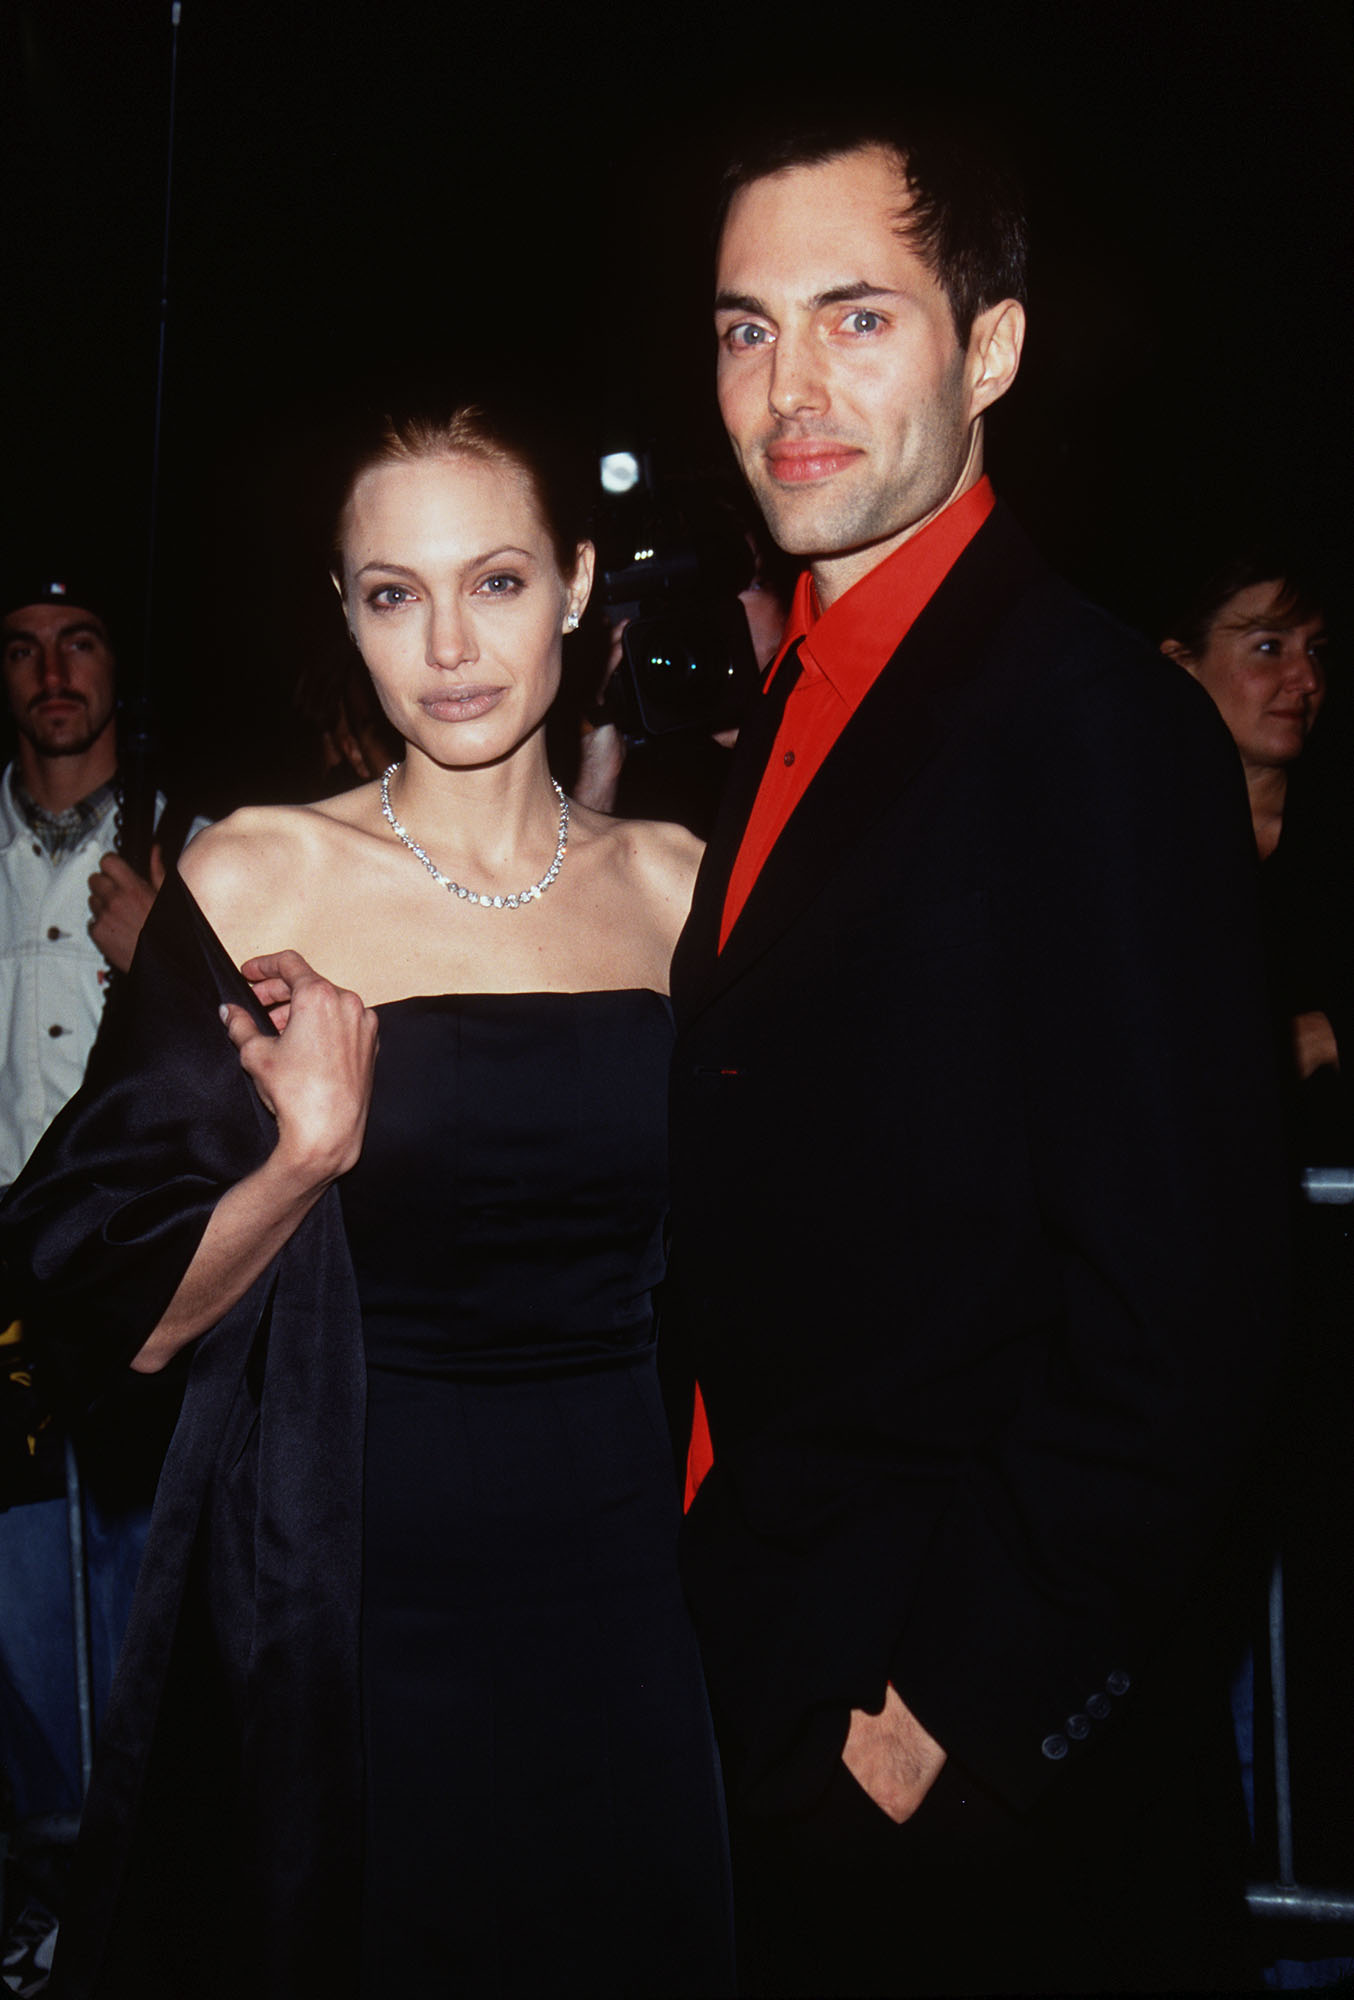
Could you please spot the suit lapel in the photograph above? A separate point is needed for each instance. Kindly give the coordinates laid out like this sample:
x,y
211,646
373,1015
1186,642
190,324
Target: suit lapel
x,y
892,735
698,944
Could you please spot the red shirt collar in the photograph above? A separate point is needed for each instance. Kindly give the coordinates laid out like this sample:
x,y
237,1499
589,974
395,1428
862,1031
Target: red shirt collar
x,y
850,642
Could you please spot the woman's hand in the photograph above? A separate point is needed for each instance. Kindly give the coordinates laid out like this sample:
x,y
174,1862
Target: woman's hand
x,y
315,1075
272,977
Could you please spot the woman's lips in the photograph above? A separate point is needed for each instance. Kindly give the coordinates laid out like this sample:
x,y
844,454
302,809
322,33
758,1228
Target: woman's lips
x,y
462,704
808,458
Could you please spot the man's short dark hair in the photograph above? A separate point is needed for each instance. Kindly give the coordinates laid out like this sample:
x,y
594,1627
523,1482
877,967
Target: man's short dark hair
x,y
965,218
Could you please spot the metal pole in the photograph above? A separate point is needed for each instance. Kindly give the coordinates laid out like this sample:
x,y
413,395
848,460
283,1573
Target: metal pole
x,y
1329,1186
1308,1906
1278,1674
84,1690
136,749
1326,1186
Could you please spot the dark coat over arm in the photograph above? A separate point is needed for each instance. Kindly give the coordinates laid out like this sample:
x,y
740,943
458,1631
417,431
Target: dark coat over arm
x,y
222,1828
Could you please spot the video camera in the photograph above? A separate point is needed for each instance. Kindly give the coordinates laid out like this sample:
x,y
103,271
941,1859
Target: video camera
x,y
672,564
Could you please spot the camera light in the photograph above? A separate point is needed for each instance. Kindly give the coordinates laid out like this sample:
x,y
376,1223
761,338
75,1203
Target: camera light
x,y
620,471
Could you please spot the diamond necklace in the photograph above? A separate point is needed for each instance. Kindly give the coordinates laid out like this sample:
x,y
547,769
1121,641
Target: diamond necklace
x,y
517,902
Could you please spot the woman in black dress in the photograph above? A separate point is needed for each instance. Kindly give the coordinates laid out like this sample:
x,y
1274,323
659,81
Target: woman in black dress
x,y
409,1704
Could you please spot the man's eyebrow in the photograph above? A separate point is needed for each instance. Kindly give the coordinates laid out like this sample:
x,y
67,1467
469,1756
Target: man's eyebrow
x,y
848,295
836,295
71,631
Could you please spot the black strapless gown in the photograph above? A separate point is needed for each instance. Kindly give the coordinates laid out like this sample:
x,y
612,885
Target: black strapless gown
x,y
543,1810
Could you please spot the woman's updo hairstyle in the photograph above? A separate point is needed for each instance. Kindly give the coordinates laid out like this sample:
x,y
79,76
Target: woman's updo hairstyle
x,y
497,435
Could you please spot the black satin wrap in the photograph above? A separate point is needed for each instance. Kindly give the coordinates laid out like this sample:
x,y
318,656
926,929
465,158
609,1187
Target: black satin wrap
x,y
222,1830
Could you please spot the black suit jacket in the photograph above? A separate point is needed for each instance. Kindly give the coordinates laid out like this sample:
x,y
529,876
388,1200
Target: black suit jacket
x,y
977,1240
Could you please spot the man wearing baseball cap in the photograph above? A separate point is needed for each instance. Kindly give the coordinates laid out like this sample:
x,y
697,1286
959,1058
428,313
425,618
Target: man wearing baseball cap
x,y
58,827
58,807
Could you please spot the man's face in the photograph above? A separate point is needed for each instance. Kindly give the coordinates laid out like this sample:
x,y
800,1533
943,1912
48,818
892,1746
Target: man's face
x,y
59,672
1263,667
842,384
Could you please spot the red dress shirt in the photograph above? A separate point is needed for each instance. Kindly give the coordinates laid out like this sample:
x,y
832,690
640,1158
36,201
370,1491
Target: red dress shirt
x,y
842,651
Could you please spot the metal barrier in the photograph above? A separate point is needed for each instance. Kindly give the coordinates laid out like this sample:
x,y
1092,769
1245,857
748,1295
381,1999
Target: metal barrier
x,y
1329,1186
84,1672
1285,1897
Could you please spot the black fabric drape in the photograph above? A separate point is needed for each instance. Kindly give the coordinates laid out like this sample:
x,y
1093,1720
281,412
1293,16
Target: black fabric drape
x,y
219,1851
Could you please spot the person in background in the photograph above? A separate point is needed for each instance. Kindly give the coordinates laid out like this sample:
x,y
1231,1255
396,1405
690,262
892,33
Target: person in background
x,y
58,815
71,911
1253,633
681,777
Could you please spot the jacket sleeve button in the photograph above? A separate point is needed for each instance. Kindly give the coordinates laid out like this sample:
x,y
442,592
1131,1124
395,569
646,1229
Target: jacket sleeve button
x,y
1098,1706
1078,1727
1118,1682
1054,1747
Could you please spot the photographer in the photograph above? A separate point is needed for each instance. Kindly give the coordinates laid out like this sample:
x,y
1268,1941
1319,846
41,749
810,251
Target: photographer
x,y
652,749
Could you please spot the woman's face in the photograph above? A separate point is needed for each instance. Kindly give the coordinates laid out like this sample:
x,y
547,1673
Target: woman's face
x,y
454,595
1263,668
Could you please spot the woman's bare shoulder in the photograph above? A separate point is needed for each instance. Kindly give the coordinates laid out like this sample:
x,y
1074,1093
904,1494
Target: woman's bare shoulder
x,y
660,857
252,844
669,852
256,861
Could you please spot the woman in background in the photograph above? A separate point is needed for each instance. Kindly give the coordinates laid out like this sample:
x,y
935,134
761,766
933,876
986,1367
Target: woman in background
x,y
1254,636
1253,633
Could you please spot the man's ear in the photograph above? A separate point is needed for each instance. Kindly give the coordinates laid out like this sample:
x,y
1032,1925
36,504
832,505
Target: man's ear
x,y
994,350
1173,650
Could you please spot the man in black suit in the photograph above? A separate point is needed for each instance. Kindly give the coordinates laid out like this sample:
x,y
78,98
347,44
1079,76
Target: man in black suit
x,y
977,1205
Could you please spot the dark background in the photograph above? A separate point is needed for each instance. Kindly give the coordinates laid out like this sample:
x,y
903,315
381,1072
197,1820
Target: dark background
x,y
363,198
